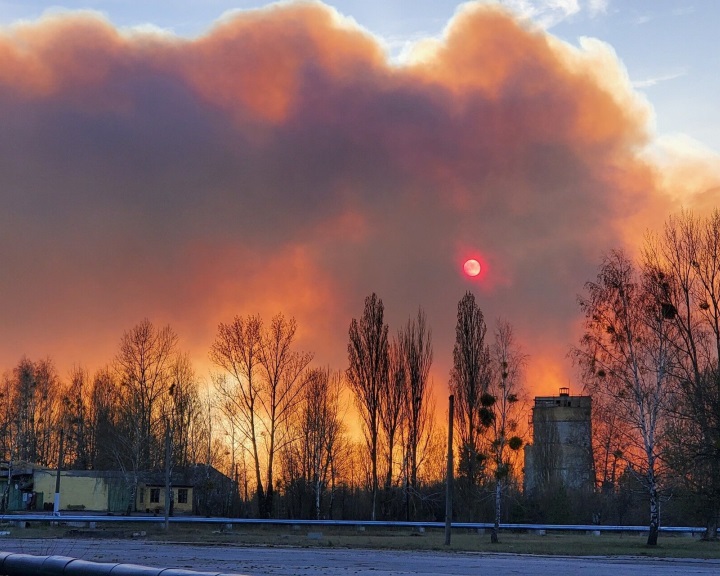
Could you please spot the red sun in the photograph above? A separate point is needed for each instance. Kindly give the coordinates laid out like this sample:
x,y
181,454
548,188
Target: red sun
x,y
471,267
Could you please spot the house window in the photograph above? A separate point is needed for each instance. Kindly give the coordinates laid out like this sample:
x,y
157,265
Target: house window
x,y
141,495
154,495
182,495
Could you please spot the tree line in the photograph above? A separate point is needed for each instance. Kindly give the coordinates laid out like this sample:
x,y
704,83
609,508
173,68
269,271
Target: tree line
x,y
272,421
283,431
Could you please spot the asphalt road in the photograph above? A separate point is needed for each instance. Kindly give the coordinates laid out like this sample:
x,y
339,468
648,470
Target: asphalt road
x,y
324,561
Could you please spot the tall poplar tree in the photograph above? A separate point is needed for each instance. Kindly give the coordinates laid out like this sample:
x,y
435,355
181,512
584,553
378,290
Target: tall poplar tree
x,y
368,375
469,381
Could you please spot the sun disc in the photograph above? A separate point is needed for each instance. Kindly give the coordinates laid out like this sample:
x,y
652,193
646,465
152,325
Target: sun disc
x,y
472,267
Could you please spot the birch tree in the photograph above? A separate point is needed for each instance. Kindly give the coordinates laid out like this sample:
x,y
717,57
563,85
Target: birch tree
x,y
321,430
626,355
687,254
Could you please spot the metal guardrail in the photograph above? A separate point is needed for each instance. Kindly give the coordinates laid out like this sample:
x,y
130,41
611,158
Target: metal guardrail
x,y
28,565
67,518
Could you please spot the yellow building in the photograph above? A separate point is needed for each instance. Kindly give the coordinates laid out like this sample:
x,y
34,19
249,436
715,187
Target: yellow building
x,y
151,498
201,488
77,491
96,491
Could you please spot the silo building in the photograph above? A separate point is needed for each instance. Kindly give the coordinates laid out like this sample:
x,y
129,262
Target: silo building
x,y
561,451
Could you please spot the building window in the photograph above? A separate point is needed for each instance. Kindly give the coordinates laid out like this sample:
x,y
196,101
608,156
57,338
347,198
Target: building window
x,y
182,495
154,495
141,496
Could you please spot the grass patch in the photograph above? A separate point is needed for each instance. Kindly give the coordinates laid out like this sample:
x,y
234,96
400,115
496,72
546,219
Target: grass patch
x,y
563,544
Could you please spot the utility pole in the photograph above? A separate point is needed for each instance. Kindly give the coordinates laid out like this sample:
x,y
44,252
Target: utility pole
x,y
450,473
56,502
168,486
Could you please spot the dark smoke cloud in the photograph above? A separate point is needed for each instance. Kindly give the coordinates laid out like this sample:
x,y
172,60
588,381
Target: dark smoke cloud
x,y
280,163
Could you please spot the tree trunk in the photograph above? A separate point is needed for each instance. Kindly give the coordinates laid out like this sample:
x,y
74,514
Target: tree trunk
x,y
711,528
496,528
654,516
260,491
412,483
388,478
332,491
269,480
373,456
317,500
269,498
407,500
388,484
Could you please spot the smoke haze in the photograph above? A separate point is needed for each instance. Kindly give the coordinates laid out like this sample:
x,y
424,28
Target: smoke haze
x,y
282,163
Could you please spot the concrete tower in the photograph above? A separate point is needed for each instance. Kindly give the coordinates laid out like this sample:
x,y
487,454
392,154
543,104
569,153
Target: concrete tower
x,y
561,452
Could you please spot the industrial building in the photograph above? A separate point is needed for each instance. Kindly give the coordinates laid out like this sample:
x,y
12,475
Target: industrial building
x,y
561,451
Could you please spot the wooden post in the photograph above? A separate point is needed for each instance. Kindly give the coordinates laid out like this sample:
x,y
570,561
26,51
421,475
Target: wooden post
x,y
450,473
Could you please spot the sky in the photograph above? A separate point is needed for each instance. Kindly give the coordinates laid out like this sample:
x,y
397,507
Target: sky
x,y
194,160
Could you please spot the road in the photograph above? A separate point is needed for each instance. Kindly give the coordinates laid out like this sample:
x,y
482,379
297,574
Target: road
x,y
266,561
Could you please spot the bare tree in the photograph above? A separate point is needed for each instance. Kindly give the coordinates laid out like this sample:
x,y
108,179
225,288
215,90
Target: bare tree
x,y
24,403
392,404
182,409
368,376
48,412
75,420
687,255
203,436
625,353
321,429
104,407
236,350
143,366
266,380
6,418
469,381
34,410
283,370
503,438
417,352
609,431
